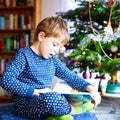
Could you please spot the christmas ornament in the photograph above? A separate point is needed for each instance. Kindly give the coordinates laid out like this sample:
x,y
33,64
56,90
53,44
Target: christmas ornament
x,y
99,64
83,53
102,30
87,74
99,61
77,61
114,48
90,5
108,29
68,62
110,3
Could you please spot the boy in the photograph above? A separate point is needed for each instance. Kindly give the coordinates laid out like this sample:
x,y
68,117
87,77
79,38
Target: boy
x,y
33,68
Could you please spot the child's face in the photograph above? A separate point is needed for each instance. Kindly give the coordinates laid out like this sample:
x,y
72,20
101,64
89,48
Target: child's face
x,y
49,46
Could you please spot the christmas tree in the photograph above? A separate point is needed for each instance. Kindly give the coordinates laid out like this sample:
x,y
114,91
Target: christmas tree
x,y
94,36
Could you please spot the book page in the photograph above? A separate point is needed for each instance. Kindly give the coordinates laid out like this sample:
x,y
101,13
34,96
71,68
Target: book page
x,y
72,94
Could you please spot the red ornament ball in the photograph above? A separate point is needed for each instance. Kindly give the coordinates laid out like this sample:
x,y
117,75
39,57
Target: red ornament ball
x,y
111,3
76,61
99,64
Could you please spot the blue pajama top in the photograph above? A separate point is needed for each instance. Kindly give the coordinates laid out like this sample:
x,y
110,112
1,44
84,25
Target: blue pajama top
x,y
28,71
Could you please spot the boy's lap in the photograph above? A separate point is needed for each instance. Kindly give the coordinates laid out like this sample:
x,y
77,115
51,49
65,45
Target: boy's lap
x,y
6,113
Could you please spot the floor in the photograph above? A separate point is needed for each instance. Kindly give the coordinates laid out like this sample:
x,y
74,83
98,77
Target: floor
x,y
109,109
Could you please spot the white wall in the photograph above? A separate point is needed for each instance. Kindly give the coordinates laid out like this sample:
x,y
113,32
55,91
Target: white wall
x,y
50,7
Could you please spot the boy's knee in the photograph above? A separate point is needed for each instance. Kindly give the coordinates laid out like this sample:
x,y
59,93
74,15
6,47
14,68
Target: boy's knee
x,y
57,104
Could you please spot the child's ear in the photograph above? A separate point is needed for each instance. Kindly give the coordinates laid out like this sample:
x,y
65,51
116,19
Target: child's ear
x,y
41,35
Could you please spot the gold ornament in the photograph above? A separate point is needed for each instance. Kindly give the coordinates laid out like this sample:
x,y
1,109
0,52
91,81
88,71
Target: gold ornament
x,y
83,53
113,48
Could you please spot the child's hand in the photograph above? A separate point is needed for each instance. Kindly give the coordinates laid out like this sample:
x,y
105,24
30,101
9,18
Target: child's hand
x,y
95,94
38,91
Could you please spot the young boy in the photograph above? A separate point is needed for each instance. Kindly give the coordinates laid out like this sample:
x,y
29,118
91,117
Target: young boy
x,y
33,68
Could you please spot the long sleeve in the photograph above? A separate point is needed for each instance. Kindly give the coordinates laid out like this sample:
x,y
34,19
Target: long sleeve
x,y
10,80
69,76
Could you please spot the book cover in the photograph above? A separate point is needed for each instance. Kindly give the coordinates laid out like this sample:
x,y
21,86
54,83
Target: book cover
x,y
1,91
8,43
78,96
72,94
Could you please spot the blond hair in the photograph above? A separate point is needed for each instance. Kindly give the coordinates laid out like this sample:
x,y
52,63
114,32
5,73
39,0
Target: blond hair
x,y
53,27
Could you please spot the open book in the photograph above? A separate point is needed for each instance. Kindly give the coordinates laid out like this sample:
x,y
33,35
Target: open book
x,y
72,94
